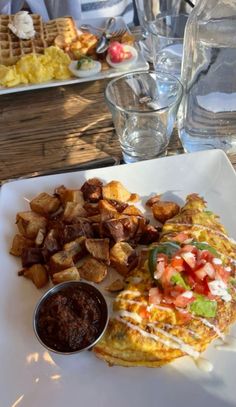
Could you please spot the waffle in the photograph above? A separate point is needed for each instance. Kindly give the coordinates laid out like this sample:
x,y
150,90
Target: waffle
x,y
64,26
13,48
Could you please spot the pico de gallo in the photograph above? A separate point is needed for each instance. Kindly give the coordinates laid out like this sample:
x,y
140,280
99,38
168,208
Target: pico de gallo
x,y
190,277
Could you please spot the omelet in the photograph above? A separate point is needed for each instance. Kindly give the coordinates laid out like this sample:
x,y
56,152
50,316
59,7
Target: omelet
x,y
181,296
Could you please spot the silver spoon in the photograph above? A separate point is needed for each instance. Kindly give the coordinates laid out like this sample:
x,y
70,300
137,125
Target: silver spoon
x,y
103,41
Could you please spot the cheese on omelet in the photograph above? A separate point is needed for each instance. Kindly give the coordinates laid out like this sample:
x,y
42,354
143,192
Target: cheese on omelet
x,y
35,68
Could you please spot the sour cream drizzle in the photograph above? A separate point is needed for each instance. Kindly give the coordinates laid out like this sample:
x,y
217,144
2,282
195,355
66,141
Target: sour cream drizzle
x,y
173,343
131,292
227,344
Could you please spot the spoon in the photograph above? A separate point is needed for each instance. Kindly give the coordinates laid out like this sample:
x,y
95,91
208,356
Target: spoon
x,y
103,41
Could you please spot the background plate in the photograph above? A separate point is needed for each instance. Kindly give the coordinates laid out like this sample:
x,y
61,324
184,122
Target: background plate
x,y
31,377
140,65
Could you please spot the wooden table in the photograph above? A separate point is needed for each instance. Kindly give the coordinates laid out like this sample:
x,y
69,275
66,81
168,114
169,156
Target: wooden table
x,y
56,127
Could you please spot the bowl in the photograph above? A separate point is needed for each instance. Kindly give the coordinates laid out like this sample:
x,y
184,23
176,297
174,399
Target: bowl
x,y
70,317
127,62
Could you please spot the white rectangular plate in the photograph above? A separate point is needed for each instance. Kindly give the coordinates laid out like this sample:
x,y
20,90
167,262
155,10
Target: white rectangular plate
x,y
140,65
31,377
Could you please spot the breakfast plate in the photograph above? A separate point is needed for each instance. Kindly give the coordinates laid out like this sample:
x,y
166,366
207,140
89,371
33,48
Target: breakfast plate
x,y
139,64
31,376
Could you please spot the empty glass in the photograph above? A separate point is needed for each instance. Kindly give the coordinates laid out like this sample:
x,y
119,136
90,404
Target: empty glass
x,y
167,33
143,107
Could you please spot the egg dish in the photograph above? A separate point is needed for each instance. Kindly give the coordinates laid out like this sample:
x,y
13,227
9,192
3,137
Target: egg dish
x,y
179,298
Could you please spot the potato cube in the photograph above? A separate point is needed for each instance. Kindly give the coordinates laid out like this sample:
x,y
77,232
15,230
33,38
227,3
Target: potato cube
x,y
20,243
37,273
60,261
45,204
123,258
66,275
29,223
72,211
162,211
70,195
115,190
99,249
93,270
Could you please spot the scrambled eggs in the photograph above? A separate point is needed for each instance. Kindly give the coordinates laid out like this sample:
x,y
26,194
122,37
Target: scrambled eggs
x,y
35,68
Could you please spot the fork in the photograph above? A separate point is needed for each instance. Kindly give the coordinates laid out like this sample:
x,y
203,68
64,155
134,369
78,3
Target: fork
x,y
113,34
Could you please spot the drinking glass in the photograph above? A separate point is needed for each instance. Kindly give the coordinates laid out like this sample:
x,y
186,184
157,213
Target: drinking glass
x,y
167,34
143,107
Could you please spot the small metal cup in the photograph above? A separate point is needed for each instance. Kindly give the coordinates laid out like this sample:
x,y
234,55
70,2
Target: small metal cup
x,y
95,294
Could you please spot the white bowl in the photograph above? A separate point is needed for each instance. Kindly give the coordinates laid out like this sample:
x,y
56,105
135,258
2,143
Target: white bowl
x,y
80,73
127,62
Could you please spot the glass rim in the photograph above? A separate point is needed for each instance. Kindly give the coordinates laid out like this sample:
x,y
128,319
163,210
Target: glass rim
x,y
162,17
161,109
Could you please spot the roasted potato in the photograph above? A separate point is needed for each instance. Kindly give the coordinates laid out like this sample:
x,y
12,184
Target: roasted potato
x,y
45,204
99,249
29,223
61,261
162,211
37,273
92,190
115,286
69,274
107,210
115,190
73,211
93,270
69,195
76,248
20,243
132,210
123,258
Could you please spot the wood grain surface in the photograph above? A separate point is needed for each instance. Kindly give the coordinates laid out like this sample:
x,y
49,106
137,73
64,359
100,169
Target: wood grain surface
x,y
55,127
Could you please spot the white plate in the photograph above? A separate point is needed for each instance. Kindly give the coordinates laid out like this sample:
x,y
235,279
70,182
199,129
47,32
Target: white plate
x,y
29,377
140,65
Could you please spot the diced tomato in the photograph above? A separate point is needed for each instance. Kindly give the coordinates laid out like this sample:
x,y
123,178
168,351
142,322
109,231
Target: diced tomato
x,y
178,263
181,301
190,280
189,258
143,312
183,317
205,255
155,296
221,273
201,287
206,270
181,237
166,276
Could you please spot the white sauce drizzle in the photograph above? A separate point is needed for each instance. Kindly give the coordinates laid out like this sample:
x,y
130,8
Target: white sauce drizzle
x,y
132,315
132,302
151,306
191,331
227,344
210,325
131,292
182,345
170,344
203,364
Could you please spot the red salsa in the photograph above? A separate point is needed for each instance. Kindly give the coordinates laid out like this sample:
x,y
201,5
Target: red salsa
x,y
70,320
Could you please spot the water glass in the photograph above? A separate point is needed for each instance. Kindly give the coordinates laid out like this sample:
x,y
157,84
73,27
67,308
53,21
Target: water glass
x,y
144,107
148,10
167,34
